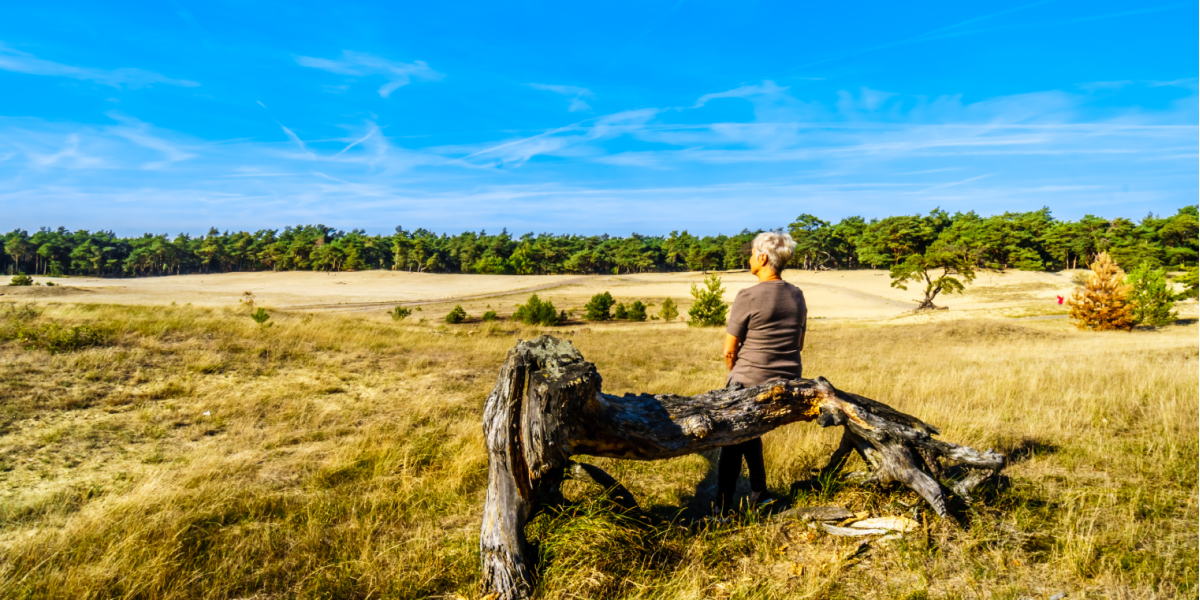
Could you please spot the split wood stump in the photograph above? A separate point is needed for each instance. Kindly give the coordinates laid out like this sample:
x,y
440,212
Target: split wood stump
x,y
547,406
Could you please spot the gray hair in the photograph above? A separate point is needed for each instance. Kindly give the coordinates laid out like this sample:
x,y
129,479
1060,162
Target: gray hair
x,y
777,245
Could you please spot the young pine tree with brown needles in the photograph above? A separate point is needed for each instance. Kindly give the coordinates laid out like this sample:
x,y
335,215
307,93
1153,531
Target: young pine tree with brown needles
x,y
1103,302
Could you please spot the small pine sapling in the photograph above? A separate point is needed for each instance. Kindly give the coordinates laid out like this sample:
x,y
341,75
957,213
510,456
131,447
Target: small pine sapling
x,y
456,316
597,307
399,313
621,312
21,279
1103,303
637,311
1151,296
261,317
708,308
669,310
490,316
536,312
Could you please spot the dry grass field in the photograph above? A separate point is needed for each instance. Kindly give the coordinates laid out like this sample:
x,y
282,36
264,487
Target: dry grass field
x,y
194,454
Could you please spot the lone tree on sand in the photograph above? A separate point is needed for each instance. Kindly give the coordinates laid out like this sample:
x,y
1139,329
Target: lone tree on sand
x,y
923,268
1103,302
547,407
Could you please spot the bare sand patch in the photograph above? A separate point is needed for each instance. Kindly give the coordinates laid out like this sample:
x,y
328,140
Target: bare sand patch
x,y
292,288
863,294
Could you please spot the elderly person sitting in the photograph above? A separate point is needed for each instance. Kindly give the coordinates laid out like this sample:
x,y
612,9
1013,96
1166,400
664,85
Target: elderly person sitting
x,y
763,341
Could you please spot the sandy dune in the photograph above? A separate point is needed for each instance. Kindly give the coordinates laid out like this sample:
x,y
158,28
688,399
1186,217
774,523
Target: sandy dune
x,y
830,294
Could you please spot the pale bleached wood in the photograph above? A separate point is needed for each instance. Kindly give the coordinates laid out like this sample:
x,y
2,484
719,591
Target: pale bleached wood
x,y
548,406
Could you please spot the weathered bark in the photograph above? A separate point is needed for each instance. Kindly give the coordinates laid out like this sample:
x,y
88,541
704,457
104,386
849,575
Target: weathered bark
x,y
548,406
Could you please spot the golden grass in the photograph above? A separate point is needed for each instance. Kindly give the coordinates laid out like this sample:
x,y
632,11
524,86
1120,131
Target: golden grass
x,y
198,455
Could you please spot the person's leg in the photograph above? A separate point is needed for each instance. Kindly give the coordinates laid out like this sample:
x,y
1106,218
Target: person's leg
x,y
729,466
753,452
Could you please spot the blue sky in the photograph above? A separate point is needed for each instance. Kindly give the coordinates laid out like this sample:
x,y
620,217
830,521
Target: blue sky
x,y
611,117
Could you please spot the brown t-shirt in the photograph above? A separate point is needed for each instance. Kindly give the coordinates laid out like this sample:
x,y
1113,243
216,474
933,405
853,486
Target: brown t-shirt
x,y
770,318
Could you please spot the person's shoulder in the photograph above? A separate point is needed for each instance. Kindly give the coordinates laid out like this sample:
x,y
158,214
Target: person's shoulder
x,y
794,290
790,287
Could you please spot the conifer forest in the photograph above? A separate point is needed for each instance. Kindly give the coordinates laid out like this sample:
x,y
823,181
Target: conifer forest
x,y
1013,240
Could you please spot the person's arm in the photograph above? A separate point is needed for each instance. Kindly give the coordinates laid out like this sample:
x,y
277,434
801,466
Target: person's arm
x,y
803,320
736,328
732,343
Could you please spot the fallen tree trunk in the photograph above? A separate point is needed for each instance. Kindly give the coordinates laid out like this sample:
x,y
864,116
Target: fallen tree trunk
x,y
548,406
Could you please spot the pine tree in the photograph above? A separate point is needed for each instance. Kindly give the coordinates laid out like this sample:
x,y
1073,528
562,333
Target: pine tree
x,y
637,311
708,309
1189,281
1103,303
536,312
669,310
621,312
597,307
456,316
1151,296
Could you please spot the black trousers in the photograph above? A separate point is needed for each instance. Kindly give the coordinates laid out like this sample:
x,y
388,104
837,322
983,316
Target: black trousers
x,y
729,466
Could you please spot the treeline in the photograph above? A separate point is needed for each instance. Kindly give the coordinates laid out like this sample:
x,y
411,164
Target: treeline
x,y
1027,240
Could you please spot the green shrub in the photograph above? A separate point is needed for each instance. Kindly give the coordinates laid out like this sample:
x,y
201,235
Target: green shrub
x,y
1151,296
708,309
456,316
621,312
490,315
637,311
260,316
399,313
669,311
597,307
56,339
51,337
536,312
21,279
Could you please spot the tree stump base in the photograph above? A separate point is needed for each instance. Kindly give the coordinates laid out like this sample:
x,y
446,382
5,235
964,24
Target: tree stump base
x,y
548,406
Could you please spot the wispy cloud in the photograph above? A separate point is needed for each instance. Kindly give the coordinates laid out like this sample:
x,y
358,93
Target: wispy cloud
x,y
953,183
361,64
860,151
22,62
575,95
143,135
297,141
569,140
766,88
